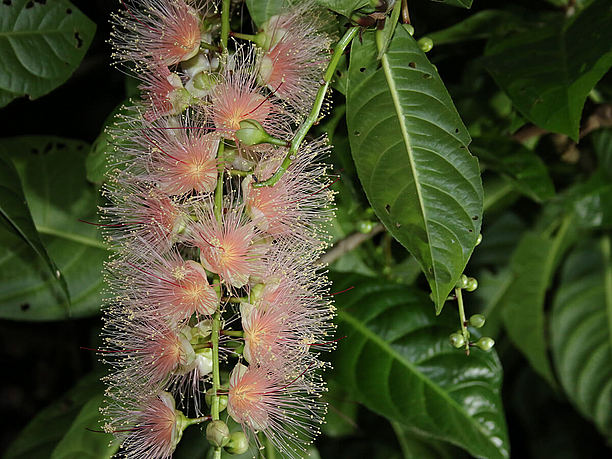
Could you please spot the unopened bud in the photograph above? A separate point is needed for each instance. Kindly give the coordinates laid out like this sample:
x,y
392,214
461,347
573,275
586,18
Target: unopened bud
x,y
217,433
462,282
479,240
365,226
252,132
457,340
238,443
485,343
409,28
477,320
471,285
426,44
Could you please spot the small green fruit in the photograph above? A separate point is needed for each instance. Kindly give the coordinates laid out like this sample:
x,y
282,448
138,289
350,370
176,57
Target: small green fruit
x,y
477,320
479,240
457,340
426,44
217,433
365,226
472,284
409,29
238,443
485,343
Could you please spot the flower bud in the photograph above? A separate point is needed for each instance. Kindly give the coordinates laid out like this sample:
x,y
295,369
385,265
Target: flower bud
x,y
365,226
409,28
479,240
426,44
471,285
217,433
238,443
457,340
485,343
477,320
252,132
462,282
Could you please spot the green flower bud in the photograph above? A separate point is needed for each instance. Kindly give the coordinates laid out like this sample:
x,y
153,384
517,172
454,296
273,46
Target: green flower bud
x,y
252,132
485,343
365,226
457,340
472,284
477,320
217,433
238,443
479,240
462,282
426,44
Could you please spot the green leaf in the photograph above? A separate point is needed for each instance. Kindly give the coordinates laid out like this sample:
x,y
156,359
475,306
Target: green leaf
x,y
52,172
396,359
478,26
500,237
521,166
341,418
581,331
410,150
46,429
534,263
262,10
41,44
549,71
14,208
80,442
344,7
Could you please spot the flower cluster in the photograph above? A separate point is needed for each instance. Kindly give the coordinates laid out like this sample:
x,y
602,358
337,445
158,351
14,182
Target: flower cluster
x,y
213,267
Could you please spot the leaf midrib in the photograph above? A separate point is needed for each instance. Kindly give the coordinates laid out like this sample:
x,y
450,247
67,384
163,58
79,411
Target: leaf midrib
x,y
369,334
406,136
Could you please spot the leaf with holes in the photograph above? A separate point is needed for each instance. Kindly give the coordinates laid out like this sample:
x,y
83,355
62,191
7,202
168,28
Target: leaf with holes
x,y
14,208
52,172
581,331
41,44
410,150
549,71
396,359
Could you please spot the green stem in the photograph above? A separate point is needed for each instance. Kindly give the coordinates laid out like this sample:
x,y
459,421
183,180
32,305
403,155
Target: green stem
x,y
219,190
316,109
245,36
192,421
464,330
225,23
238,333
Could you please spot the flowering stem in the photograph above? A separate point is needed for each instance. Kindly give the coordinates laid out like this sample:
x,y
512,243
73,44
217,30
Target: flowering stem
x,y
316,109
225,10
464,331
219,190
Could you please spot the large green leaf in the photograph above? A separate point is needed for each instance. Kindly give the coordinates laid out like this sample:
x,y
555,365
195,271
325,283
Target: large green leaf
x,y
396,359
79,442
41,44
522,166
44,432
14,208
581,331
602,143
344,7
410,149
549,71
415,446
533,264
459,3
478,26
52,172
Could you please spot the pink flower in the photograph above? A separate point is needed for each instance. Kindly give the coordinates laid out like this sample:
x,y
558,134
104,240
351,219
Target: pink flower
x,y
232,248
149,427
153,32
297,52
163,91
169,286
141,215
183,155
299,204
284,410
